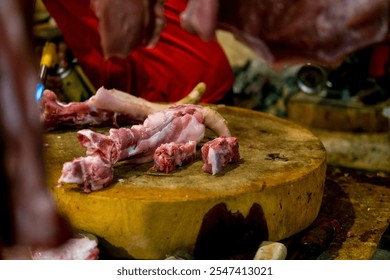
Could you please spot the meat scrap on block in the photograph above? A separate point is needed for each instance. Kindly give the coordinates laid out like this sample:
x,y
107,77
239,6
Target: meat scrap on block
x,y
107,107
169,155
92,173
219,152
183,126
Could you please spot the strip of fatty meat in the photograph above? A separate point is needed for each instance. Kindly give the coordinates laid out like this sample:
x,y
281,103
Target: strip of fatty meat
x,y
107,107
218,153
169,155
137,144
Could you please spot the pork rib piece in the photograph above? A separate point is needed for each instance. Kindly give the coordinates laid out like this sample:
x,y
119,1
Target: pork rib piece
x,y
168,156
137,144
106,107
219,152
91,172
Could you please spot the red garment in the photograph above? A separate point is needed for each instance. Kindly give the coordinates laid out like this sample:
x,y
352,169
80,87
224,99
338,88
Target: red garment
x,y
380,57
164,73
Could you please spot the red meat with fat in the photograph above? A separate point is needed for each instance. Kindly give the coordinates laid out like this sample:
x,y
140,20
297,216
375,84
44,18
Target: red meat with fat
x,y
169,155
219,152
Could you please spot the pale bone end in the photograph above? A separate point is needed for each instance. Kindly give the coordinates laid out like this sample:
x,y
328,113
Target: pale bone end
x,y
271,251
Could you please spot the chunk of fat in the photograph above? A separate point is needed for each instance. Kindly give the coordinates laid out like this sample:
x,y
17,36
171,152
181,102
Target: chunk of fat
x,y
212,158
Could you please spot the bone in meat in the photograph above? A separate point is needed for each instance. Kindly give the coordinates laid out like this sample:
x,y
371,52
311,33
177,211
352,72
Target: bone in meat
x,y
136,23
137,144
91,172
169,155
106,107
219,152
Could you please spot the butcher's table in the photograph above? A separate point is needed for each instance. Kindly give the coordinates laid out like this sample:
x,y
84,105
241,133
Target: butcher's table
x,y
274,192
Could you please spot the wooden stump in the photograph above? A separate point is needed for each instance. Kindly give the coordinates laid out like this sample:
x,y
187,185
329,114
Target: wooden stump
x,y
336,115
275,191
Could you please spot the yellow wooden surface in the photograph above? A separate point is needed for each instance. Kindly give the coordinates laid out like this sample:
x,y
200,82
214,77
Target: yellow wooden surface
x,y
148,215
336,115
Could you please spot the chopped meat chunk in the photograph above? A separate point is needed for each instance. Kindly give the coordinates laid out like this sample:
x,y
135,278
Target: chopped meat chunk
x,y
91,172
107,107
179,124
137,144
219,152
168,156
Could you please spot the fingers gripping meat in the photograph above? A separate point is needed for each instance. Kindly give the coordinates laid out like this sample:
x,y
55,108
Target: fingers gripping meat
x,y
280,31
91,172
127,24
201,17
137,144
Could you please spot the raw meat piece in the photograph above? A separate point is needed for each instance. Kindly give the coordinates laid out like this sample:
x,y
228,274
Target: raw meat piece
x,y
219,152
179,124
106,107
168,156
81,248
91,172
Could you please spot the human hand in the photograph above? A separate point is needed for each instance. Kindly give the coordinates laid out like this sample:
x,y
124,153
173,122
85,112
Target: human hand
x,y
127,24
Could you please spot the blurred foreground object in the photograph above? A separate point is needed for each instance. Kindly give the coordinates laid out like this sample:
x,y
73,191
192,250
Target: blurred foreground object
x,y
27,213
126,25
293,31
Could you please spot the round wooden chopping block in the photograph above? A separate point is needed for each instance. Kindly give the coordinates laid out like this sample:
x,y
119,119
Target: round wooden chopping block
x,y
275,191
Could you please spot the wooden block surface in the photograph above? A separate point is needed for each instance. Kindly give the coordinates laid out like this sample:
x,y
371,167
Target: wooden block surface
x,y
336,115
278,184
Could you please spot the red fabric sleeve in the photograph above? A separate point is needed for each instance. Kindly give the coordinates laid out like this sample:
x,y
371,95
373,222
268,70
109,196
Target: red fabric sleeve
x,y
164,73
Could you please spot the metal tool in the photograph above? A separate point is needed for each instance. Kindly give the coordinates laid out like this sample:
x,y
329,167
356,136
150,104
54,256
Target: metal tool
x,y
311,79
48,60
75,84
